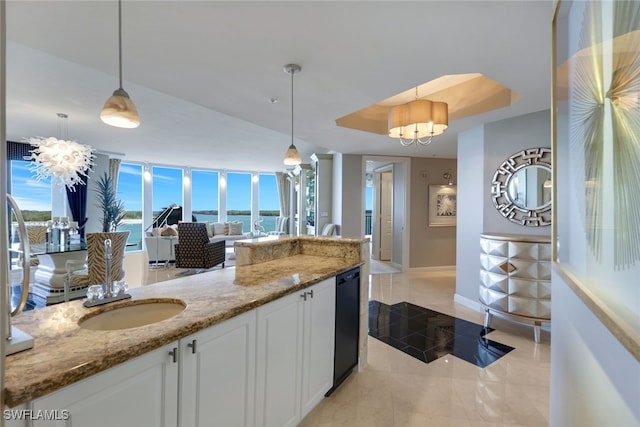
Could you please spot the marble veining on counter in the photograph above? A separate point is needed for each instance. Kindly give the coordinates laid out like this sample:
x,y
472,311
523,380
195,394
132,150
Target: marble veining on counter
x,y
271,248
64,353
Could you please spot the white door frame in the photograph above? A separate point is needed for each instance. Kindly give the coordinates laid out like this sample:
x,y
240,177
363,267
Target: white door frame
x,y
403,192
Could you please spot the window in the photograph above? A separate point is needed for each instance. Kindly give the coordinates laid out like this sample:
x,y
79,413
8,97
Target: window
x,y
204,195
239,199
166,191
268,201
130,192
368,206
32,196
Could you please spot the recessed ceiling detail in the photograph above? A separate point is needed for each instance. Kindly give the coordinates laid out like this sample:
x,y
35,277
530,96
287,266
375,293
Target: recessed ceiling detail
x,y
465,94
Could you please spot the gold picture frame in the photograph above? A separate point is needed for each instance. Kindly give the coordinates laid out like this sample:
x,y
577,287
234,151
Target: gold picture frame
x,y
443,205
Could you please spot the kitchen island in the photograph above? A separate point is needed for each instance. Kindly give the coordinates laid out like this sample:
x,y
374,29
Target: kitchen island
x,y
64,353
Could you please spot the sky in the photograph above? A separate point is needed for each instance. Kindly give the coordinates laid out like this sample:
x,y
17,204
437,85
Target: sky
x,y
31,194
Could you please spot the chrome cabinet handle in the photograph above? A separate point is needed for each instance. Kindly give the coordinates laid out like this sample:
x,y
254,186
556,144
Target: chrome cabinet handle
x,y
193,344
174,354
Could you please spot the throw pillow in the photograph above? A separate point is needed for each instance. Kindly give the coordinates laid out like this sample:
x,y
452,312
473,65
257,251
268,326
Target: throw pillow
x,y
235,228
209,228
218,228
172,230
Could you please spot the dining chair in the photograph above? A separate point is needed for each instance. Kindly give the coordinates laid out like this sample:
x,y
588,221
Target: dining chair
x,y
96,261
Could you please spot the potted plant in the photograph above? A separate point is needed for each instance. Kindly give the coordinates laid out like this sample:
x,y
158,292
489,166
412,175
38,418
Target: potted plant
x,y
112,207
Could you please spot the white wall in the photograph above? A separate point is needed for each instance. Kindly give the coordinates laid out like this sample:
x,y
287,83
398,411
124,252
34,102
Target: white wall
x,y
336,205
480,152
400,213
595,381
501,140
470,219
352,196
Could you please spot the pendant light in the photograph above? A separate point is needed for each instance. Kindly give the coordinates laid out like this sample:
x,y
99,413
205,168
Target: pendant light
x,y
292,157
418,121
119,110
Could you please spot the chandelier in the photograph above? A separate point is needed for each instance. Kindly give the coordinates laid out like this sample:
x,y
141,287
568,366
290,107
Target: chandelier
x,y
418,121
64,160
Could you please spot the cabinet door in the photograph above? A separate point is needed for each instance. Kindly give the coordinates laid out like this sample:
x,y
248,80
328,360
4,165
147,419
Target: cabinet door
x,y
140,392
218,378
279,347
318,339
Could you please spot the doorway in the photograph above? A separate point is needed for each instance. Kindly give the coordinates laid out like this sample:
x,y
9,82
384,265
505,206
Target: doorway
x,y
388,208
385,209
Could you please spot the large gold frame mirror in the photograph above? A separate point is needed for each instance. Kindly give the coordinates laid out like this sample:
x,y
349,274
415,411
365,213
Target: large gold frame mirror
x,y
521,187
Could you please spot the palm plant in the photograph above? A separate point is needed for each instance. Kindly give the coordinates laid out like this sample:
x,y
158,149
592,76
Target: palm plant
x,y
112,207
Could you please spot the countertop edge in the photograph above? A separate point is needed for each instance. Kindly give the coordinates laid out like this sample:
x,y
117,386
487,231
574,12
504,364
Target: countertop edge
x,y
58,380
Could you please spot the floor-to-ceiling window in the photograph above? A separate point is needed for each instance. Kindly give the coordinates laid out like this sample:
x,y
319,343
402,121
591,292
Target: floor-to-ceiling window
x,y
167,192
32,196
268,201
130,192
204,195
239,199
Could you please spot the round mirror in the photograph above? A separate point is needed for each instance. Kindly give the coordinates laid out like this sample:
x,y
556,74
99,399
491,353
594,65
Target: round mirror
x,y
521,187
530,187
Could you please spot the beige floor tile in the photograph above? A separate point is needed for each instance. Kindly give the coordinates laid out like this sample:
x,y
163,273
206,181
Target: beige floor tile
x,y
395,389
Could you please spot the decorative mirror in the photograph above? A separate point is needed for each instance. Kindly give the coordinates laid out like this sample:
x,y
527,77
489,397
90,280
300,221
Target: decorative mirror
x,y
521,187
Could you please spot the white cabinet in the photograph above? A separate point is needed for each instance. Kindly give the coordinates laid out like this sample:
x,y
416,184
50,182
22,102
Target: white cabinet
x,y
295,346
217,374
140,392
267,367
515,277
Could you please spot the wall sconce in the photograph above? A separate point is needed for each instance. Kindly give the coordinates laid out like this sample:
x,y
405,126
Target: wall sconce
x,y
147,172
448,176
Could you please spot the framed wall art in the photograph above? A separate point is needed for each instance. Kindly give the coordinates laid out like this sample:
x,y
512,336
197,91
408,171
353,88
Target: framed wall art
x,y
596,123
443,205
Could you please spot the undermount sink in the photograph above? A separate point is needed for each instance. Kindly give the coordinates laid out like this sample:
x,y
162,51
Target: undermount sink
x,y
132,314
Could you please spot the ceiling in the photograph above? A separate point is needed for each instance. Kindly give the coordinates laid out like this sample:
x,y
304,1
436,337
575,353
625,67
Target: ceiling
x,y
203,74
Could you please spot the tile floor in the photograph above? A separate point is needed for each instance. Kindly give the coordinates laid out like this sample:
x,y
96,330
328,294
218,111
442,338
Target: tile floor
x,y
428,335
396,389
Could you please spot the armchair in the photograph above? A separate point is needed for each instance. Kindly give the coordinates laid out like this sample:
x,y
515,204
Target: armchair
x,y
282,223
194,250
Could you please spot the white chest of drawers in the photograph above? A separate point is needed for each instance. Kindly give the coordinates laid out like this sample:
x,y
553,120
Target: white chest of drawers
x,y
515,277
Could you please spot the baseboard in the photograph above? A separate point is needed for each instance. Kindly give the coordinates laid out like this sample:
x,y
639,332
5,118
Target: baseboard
x,y
467,302
436,268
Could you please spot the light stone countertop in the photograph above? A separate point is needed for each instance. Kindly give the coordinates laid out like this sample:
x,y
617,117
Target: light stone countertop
x,y
64,353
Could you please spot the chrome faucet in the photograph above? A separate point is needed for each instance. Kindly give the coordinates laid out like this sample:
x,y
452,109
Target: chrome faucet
x,y
110,294
108,283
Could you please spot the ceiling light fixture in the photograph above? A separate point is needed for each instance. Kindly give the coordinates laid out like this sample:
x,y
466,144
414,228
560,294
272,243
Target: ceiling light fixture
x,y
64,160
418,121
119,110
292,157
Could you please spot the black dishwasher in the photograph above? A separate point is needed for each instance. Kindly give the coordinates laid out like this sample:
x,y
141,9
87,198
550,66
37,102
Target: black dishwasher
x,y
347,325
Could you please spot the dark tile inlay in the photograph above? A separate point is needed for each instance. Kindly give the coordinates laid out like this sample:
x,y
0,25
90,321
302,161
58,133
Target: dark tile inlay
x,y
427,335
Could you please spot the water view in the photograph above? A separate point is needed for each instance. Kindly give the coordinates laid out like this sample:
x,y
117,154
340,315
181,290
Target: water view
x,y
134,227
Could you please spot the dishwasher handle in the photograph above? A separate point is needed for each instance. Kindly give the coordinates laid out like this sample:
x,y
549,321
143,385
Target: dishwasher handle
x,y
349,276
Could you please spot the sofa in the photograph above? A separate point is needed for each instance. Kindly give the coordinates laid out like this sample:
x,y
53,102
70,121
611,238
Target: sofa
x,y
160,242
